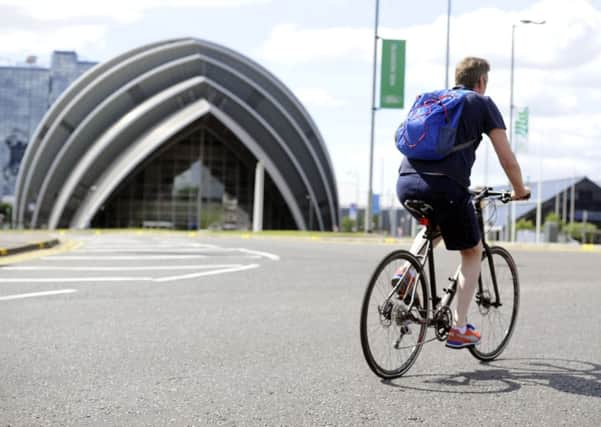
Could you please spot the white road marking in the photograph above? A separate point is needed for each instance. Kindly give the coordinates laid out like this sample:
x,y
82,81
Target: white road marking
x,y
203,245
153,248
112,253
263,254
37,294
121,258
73,279
206,273
124,268
208,250
228,269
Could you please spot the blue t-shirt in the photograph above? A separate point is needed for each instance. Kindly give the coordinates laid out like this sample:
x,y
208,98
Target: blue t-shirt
x,y
480,115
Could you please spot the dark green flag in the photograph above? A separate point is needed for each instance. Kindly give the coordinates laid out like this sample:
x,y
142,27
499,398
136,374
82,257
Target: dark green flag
x,y
392,82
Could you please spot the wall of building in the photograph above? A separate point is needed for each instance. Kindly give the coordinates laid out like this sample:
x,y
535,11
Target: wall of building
x,y
587,198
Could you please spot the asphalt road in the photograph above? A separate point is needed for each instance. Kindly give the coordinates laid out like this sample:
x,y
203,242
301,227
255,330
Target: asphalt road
x,y
170,329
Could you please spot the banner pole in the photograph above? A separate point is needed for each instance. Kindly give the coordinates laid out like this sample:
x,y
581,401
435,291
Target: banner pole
x,y
368,209
446,68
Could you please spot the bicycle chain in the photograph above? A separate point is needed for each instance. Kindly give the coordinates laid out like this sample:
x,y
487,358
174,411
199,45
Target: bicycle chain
x,y
425,342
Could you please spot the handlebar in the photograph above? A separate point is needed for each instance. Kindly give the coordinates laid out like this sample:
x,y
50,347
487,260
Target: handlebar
x,y
489,193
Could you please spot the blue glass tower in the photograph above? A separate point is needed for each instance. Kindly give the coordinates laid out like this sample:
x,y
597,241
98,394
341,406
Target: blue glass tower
x,y
26,92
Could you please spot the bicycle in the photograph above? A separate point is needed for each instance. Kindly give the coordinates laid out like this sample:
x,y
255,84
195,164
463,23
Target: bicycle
x,y
393,326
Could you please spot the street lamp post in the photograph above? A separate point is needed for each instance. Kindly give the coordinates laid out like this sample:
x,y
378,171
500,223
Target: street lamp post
x,y
512,107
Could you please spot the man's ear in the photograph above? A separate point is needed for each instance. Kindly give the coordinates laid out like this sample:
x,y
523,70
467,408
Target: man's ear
x,y
481,85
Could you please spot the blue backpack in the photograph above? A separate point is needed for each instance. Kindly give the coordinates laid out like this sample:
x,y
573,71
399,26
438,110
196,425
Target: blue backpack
x,y
429,131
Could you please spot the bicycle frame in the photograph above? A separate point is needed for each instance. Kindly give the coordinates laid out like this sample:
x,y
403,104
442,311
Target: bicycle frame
x,y
486,249
426,255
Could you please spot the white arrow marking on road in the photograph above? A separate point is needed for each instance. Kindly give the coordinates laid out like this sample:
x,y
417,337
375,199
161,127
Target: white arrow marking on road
x,y
37,294
264,254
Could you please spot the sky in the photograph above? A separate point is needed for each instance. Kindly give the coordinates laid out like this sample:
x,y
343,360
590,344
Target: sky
x,y
323,51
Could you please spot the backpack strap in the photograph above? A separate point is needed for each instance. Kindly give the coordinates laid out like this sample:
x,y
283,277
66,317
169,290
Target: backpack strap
x,y
463,145
467,144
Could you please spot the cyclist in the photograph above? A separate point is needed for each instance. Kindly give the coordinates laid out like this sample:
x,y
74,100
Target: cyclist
x,y
444,185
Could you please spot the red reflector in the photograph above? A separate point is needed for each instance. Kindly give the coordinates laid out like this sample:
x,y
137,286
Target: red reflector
x,y
424,221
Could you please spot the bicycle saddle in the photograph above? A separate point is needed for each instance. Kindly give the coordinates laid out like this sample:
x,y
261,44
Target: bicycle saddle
x,y
419,209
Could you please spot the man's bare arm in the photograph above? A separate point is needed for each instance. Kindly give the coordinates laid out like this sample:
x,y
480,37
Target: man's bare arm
x,y
509,163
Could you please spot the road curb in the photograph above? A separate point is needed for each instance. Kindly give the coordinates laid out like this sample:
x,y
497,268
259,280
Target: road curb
x,y
45,244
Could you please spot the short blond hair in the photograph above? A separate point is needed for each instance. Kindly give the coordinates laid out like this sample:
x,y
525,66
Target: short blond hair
x,y
469,71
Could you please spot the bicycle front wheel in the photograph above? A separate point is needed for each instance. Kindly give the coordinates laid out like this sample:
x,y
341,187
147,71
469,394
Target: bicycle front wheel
x,y
393,317
497,302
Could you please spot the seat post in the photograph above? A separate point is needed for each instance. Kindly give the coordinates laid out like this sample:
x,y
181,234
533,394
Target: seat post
x,y
430,235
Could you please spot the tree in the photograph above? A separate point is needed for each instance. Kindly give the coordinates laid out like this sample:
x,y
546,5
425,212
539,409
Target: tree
x,y
579,230
524,224
553,217
348,224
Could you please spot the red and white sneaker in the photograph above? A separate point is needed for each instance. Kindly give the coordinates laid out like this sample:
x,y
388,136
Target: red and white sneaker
x,y
456,339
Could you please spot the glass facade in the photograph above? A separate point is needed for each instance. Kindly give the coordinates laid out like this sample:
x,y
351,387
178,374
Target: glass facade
x,y
201,178
26,92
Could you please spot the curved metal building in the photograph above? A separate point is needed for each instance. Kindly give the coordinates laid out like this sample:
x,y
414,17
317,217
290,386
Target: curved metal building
x,y
183,133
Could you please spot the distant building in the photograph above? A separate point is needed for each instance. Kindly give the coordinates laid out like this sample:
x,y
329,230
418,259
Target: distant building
x,y
182,134
26,93
568,198
573,200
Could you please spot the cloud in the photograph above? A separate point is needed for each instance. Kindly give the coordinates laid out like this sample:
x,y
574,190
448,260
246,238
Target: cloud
x,y
563,53
291,45
569,37
74,37
41,26
118,10
318,98
556,75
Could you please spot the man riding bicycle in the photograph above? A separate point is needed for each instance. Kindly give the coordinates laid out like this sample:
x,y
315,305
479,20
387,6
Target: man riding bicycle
x,y
444,185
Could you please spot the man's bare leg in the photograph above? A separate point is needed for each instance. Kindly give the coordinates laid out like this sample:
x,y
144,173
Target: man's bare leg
x,y
471,260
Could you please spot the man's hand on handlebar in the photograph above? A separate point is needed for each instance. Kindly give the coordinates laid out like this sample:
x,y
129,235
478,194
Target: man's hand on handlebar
x,y
525,195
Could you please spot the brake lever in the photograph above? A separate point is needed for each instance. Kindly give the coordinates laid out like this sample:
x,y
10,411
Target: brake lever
x,y
506,198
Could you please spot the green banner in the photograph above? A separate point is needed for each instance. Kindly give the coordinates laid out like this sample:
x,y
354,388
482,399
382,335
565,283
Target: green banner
x,y
392,82
521,123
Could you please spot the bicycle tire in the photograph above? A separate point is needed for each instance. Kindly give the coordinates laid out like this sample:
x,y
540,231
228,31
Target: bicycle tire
x,y
496,324
379,335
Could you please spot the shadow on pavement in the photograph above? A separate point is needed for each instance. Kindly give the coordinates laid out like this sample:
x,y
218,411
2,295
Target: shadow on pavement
x,y
508,375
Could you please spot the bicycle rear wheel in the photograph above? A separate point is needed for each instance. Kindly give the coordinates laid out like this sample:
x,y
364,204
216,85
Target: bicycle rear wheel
x,y
495,317
393,329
